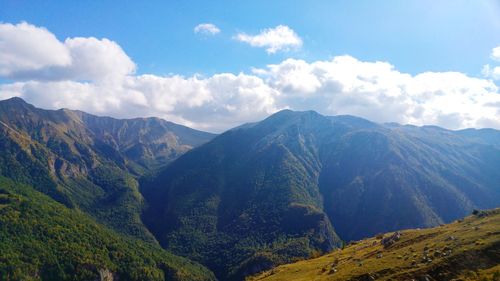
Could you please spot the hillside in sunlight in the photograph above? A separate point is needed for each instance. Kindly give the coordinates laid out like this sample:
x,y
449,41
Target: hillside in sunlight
x,y
467,249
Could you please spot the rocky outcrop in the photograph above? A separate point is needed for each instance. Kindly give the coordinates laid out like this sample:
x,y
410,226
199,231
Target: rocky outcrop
x,y
105,275
388,241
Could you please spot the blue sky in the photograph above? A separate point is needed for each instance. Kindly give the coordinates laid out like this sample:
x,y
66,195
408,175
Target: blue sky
x,y
413,62
415,36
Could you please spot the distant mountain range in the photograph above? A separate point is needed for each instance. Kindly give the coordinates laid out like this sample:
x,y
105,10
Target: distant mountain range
x,y
292,186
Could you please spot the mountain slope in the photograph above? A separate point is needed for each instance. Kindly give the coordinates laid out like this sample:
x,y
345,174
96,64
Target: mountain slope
x,y
406,177
467,249
89,162
239,198
41,239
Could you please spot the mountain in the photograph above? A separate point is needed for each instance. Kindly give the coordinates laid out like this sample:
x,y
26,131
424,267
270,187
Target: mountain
x,y
263,194
41,239
467,249
287,187
140,143
88,162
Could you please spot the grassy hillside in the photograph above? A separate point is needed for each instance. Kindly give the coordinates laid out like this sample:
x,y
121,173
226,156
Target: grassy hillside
x,y
41,239
467,249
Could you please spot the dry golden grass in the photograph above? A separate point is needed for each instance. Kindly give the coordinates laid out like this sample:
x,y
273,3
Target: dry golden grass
x,y
468,249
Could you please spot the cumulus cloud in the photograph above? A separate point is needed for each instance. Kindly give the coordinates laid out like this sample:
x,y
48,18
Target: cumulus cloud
x,y
379,92
24,47
215,103
94,59
280,38
29,52
493,72
97,76
206,28
495,53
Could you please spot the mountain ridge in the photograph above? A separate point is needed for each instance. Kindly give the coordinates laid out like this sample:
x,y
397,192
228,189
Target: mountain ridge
x,y
89,162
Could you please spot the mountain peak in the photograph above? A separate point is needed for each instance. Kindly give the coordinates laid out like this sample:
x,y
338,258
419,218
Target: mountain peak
x,y
287,117
295,113
313,120
15,101
14,107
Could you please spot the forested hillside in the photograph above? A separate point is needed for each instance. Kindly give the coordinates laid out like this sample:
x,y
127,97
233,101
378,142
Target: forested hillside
x,y
41,239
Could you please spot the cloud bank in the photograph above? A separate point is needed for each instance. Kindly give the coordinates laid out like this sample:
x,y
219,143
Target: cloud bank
x,y
97,76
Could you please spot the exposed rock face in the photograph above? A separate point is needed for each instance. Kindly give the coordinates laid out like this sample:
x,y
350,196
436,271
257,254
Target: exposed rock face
x,y
365,277
425,277
388,241
106,275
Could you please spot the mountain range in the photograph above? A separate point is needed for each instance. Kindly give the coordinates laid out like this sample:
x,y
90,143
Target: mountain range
x,y
300,180
290,187
89,162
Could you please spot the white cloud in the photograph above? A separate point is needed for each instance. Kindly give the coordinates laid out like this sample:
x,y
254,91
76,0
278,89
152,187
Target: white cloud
x,y
30,52
97,76
377,91
97,60
216,103
495,53
24,47
493,72
207,29
280,38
